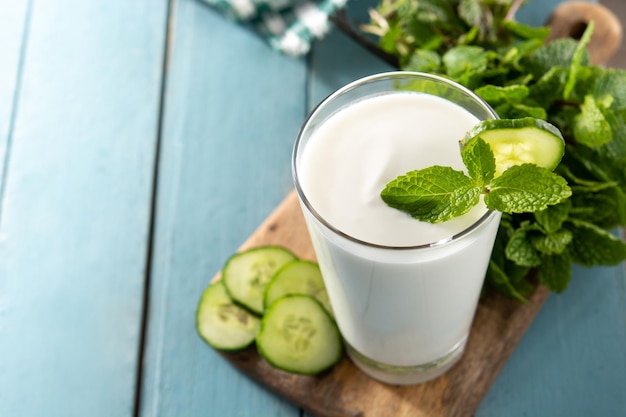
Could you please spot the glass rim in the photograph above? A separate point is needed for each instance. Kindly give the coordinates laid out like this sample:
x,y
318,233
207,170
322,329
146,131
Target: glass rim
x,y
356,83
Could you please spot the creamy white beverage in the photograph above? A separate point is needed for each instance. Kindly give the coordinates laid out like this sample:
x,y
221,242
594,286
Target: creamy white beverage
x,y
404,291
357,151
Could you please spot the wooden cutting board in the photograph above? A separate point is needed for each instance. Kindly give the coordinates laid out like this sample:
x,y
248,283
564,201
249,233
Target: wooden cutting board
x,y
498,326
345,391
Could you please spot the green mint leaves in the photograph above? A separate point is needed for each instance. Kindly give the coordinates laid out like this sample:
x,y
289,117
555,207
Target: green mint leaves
x,y
526,188
591,127
551,240
436,194
433,194
479,161
512,67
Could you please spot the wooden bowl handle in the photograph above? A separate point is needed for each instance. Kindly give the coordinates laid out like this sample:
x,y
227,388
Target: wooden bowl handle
x,y
571,18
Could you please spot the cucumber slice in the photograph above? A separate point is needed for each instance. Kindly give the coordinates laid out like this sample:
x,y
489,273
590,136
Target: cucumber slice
x,y
222,323
519,141
247,273
298,277
298,335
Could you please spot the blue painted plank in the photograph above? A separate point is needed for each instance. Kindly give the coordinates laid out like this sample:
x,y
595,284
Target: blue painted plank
x,y
572,361
233,109
76,207
14,18
337,60
219,177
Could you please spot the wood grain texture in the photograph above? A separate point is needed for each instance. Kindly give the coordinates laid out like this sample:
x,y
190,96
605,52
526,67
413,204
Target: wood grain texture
x,y
76,207
498,326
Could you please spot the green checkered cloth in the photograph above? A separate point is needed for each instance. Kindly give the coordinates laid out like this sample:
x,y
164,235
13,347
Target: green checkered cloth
x,y
289,25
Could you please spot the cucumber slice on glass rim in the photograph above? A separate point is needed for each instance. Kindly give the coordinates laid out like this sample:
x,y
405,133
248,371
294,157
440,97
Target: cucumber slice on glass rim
x,y
298,277
222,323
298,335
247,273
520,141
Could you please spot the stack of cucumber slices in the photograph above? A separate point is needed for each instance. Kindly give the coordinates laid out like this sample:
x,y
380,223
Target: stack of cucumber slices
x,y
269,296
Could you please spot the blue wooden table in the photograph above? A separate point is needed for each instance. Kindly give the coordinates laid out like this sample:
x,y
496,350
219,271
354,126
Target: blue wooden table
x,y
141,142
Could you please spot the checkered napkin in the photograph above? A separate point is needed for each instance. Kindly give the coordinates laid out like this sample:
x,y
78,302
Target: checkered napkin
x,y
289,25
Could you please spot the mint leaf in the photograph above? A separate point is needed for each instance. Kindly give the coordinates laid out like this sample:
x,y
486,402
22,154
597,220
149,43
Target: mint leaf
x,y
592,245
505,231
591,127
577,60
554,243
549,87
526,32
391,40
469,37
519,111
585,79
557,53
555,272
520,250
503,274
551,219
434,194
526,188
583,157
605,208
471,12
515,54
501,281
615,150
585,185
479,160
465,59
424,61
495,95
611,82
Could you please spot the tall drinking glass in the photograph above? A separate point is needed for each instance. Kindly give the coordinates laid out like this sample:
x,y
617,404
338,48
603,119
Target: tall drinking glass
x,y
404,292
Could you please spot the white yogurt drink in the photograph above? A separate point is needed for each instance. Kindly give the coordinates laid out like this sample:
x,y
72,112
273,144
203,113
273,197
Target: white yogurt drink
x,y
404,292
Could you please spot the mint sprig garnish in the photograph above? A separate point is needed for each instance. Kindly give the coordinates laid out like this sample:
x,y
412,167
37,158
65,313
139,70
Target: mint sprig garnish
x,y
433,194
514,69
526,188
479,161
436,194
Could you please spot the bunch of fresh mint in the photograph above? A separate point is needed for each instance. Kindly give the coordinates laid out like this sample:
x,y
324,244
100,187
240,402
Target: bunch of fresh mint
x,y
479,44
